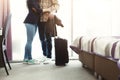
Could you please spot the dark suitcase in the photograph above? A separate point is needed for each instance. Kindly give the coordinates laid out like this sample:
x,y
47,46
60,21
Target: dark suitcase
x,y
61,51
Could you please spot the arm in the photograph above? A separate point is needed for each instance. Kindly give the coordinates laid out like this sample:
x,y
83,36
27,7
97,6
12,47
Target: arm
x,y
34,5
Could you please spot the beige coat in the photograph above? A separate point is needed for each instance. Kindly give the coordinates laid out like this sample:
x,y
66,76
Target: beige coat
x,y
48,6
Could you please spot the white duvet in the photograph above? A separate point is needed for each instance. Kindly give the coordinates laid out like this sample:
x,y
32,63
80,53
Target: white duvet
x,y
101,45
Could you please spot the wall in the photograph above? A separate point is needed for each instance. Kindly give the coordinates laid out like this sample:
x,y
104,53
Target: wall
x,y
80,17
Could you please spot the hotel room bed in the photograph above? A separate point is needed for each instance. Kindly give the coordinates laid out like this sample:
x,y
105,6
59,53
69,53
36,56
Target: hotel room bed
x,y
100,54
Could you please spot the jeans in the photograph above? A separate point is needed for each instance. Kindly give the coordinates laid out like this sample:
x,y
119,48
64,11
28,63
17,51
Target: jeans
x,y
45,39
31,31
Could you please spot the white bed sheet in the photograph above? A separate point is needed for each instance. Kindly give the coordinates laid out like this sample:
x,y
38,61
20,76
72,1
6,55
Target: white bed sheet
x,y
85,42
103,45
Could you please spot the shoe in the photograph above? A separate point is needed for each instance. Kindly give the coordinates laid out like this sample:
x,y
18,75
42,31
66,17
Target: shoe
x,y
47,61
33,61
25,61
42,59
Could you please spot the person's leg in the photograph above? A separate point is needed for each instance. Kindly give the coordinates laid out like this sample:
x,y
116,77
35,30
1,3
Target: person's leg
x,y
49,48
49,45
41,32
31,31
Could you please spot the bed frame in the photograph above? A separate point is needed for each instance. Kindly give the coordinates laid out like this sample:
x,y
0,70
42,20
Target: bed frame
x,y
105,67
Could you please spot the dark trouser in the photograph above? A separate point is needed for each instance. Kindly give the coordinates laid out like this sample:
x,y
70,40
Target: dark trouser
x,y
45,39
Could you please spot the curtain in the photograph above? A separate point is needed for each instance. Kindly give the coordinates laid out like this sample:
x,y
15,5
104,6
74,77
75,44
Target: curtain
x,y
4,12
